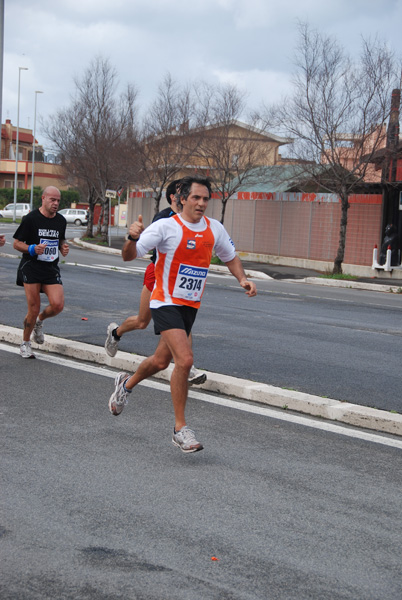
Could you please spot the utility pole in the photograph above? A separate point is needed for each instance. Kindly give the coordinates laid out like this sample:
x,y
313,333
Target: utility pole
x,y
391,196
33,152
1,57
16,142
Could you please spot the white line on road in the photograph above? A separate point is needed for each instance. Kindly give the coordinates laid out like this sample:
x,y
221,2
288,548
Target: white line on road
x,y
109,268
127,269
226,402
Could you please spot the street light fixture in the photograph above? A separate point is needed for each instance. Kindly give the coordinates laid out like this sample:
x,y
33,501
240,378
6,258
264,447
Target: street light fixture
x,y
16,145
33,151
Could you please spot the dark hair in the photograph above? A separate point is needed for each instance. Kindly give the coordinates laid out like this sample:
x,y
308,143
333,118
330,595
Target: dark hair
x,y
171,189
187,182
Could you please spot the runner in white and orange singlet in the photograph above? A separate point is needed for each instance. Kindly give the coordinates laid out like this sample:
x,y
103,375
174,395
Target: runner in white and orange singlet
x,y
184,245
143,318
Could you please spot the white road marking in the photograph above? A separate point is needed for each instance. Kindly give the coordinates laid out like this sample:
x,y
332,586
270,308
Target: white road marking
x,y
376,438
109,268
129,269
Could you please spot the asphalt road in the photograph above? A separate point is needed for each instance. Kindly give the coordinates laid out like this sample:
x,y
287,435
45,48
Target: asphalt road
x,y
338,343
105,508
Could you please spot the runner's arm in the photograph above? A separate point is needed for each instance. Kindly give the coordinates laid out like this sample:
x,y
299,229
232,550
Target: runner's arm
x,y
24,248
236,268
129,251
20,246
143,240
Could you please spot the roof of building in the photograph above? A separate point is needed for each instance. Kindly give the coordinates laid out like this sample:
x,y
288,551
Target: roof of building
x,y
384,153
23,137
296,177
271,136
275,178
280,141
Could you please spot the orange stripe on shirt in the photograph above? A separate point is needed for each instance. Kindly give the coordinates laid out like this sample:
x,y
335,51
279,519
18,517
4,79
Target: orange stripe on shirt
x,y
194,249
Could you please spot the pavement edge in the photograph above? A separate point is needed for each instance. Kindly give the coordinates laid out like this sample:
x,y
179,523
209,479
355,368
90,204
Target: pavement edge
x,y
326,408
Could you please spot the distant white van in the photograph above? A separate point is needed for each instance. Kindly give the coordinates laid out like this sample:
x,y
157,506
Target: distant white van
x,y
78,216
20,211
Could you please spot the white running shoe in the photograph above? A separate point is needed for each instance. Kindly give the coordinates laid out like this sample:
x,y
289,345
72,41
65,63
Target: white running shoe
x,y
111,342
185,440
118,399
26,350
196,377
37,334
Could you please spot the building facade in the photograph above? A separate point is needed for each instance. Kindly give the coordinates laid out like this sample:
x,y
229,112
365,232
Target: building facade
x,y
46,172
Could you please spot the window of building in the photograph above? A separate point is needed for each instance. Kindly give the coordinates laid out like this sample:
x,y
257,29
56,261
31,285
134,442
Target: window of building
x,y
9,183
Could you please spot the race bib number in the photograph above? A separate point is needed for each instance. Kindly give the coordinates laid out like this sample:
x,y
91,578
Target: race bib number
x,y
51,252
190,283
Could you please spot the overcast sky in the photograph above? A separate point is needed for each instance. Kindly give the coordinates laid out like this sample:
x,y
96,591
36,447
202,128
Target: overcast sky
x,y
246,42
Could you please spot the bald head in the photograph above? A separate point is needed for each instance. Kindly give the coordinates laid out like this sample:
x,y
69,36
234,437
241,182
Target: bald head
x,y
50,189
50,201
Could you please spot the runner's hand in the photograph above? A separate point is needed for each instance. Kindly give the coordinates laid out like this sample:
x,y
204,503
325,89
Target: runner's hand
x,y
64,249
136,228
40,248
250,287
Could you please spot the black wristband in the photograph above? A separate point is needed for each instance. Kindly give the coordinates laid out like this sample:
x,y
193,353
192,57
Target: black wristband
x,y
132,239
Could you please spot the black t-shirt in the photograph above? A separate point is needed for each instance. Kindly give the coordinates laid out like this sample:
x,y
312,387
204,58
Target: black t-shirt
x,y
35,228
162,214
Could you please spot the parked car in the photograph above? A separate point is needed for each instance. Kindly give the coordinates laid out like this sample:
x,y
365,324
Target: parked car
x,y
78,216
20,210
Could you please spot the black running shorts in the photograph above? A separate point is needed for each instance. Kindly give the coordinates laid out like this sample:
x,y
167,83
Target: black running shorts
x,y
173,317
30,271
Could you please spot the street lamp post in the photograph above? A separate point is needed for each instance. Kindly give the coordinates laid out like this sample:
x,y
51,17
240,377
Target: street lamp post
x,y
33,152
16,144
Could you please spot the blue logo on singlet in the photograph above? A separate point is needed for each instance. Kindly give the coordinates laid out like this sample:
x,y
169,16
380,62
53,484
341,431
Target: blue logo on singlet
x,y
193,271
190,244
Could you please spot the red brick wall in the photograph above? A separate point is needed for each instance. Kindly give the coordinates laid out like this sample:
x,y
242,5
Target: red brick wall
x,y
297,225
364,228
324,234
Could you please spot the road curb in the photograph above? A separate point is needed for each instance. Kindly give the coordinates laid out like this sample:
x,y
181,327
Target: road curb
x,y
326,408
343,283
96,247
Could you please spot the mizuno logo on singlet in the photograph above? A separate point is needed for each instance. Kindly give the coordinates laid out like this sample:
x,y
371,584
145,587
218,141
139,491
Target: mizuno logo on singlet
x,y
193,272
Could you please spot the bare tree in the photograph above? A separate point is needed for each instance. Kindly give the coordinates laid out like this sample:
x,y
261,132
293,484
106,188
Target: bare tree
x,y
96,134
232,151
336,115
165,146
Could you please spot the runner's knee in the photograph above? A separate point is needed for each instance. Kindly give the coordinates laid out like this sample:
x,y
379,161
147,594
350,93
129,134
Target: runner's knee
x,y
184,362
57,305
143,323
161,362
33,306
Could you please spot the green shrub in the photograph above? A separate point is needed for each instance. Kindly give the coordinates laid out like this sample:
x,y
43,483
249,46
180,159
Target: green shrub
x,y
7,197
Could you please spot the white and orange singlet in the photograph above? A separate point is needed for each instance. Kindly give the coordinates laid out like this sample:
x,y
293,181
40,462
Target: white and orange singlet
x,y
184,252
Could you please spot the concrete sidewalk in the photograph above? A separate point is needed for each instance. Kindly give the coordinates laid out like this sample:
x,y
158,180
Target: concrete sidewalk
x,y
326,408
